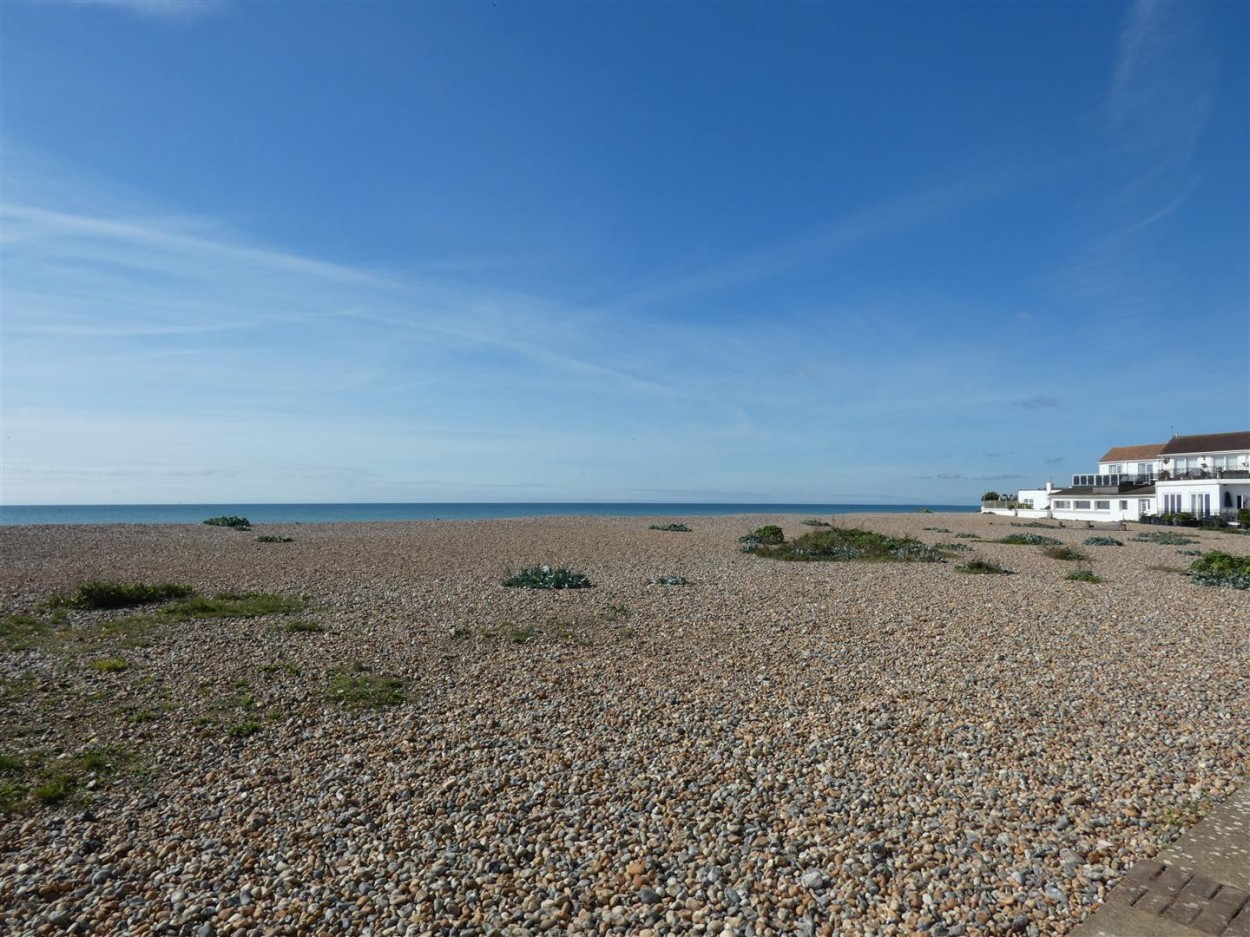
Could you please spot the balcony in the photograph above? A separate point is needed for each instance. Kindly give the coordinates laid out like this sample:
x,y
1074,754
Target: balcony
x,y
1111,484
1202,474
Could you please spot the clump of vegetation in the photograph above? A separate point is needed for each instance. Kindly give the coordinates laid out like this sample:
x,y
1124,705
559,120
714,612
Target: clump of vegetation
x,y
815,522
33,780
1190,552
1083,575
1221,569
363,690
852,543
1165,537
544,577
953,548
110,664
1036,540
522,635
968,536
670,581
230,520
303,626
1064,553
924,510
675,528
233,605
991,496
1102,542
109,595
938,530
1035,524
768,535
983,567
242,730
274,538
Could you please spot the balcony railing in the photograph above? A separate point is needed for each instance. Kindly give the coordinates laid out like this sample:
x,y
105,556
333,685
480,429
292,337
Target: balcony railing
x,y
1200,474
1120,480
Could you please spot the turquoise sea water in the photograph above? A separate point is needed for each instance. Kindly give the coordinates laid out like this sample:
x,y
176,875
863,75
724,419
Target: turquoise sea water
x,y
340,513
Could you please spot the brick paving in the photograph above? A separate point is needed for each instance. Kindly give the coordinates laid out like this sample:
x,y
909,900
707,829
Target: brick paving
x,y
1186,891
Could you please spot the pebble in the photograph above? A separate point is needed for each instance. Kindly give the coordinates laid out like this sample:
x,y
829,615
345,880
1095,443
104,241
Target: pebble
x,y
770,749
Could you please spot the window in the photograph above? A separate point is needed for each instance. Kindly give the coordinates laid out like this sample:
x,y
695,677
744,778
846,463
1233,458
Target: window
x,y
1115,469
1063,505
1081,505
1123,505
1102,505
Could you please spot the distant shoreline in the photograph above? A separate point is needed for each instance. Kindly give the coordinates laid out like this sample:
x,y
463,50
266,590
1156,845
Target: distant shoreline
x,y
326,513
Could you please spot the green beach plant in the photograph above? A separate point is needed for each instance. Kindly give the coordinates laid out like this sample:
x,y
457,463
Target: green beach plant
x,y
112,595
230,520
274,538
1035,540
1102,542
544,577
983,568
1063,553
1217,568
1083,575
852,543
675,528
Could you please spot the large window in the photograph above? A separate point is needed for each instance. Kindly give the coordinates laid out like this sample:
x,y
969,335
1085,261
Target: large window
x,y
1102,505
1063,505
1081,505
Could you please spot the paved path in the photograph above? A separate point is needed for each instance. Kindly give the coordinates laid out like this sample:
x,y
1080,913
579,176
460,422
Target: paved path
x,y
1198,886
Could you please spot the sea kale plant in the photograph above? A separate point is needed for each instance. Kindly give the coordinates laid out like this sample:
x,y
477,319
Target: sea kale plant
x,y
1221,569
1102,542
544,577
852,543
229,520
1030,540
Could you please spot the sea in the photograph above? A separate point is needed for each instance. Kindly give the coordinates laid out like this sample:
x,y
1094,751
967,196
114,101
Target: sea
x,y
457,511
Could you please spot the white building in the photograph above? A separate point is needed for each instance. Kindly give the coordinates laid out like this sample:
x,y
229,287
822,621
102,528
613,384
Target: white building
x,y
1194,476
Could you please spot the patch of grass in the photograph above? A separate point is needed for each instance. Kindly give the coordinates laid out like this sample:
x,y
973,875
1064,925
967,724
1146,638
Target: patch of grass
x,y
1190,552
1102,542
33,781
274,538
853,543
939,530
242,730
230,520
109,664
618,612
1035,524
544,577
304,627
1217,568
233,605
953,547
968,536
670,581
522,635
1083,575
983,567
113,595
366,690
1032,540
1064,553
1165,537
815,522
675,528
23,632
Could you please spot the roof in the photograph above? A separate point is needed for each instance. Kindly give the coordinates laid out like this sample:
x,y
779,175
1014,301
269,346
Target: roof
x,y
1212,442
1089,491
1133,453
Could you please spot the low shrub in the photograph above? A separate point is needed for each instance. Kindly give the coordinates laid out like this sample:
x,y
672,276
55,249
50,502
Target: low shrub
x,y
852,543
1031,540
670,581
938,530
274,538
983,567
1035,524
814,522
233,605
675,528
229,520
953,548
768,535
109,665
1221,569
242,730
1165,537
1083,575
1102,542
544,577
1064,553
304,627
109,595
968,536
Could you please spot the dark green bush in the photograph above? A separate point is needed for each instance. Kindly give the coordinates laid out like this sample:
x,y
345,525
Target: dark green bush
x,y
813,522
544,577
675,528
1221,569
105,595
1083,575
852,543
274,538
1063,553
768,535
228,520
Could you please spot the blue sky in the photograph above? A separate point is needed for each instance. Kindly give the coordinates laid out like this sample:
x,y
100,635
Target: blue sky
x,y
645,252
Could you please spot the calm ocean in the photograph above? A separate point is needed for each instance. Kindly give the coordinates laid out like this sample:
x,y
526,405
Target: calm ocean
x,y
340,513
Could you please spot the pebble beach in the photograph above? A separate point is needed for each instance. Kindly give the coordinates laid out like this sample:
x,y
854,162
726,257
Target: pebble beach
x,y
771,748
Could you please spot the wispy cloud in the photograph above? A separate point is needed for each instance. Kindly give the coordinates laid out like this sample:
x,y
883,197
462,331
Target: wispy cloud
x,y
1037,402
171,10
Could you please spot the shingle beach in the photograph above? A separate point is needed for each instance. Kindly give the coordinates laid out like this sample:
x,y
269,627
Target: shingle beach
x,y
772,748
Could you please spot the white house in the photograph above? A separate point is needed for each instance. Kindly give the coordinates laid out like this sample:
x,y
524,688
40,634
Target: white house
x,y
1199,476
